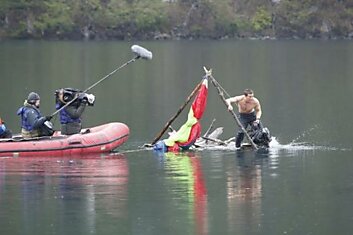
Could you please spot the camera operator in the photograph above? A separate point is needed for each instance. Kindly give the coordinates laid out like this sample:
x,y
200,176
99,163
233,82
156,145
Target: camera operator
x,y
70,116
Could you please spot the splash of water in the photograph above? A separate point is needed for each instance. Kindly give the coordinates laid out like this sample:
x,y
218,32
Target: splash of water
x,y
276,146
305,134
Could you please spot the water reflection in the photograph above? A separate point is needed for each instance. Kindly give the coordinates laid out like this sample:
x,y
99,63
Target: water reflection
x,y
184,172
245,191
248,173
55,192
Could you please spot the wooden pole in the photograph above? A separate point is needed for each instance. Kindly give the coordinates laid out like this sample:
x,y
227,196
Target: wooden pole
x,y
214,140
209,128
177,113
220,93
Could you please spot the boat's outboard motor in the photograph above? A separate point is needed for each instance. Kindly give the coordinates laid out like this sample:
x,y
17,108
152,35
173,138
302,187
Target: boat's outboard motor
x,y
260,135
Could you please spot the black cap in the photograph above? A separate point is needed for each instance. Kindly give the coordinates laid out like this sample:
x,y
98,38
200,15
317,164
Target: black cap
x,y
32,97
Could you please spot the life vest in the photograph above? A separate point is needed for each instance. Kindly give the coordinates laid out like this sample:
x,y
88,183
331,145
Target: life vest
x,y
24,111
2,129
64,116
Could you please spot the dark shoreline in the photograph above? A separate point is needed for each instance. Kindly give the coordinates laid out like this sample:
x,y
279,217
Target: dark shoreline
x,y
128,20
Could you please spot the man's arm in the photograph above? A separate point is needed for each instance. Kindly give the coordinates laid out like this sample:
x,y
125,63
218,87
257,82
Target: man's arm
x,y
231,100
75,112
258,111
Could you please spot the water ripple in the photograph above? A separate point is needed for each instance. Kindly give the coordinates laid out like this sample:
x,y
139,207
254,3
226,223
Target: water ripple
x,y
276,146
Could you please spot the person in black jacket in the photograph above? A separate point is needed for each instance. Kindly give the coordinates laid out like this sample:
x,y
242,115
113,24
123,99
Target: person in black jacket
x,y
70,116
32,122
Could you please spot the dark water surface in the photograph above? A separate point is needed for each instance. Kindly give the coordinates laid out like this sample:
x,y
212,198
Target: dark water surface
x,y
303,185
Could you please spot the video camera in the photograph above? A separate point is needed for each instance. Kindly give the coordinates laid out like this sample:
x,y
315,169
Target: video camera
x,y
65,95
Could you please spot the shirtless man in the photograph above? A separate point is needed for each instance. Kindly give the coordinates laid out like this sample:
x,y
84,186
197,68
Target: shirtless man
x,y
249,112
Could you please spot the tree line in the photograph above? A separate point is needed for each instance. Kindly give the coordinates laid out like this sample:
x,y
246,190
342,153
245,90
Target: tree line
x,y
175,19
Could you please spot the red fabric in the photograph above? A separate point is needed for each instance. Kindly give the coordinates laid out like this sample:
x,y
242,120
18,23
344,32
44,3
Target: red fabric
x,y
194,134
200,102
200,196
174,148
198,106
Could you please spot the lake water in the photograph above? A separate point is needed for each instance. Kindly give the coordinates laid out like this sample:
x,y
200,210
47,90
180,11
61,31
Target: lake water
x,y
303,185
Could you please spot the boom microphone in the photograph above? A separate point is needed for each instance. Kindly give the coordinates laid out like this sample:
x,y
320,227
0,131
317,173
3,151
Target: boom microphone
x,y
141,52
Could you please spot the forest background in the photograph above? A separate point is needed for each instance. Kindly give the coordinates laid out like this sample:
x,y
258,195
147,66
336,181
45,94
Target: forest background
x,y
175,19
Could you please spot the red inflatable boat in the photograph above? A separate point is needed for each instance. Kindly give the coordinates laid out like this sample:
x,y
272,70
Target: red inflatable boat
x,y
99,139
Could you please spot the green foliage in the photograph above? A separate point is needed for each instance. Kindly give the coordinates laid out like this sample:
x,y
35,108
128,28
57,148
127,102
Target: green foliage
x,y
295,13
243,25
143,19
55,20
262,19
224,19
139,19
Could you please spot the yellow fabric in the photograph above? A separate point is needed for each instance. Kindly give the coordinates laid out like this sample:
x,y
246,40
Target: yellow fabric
x,y
182,135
